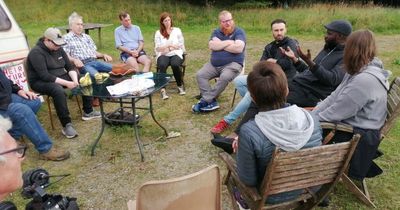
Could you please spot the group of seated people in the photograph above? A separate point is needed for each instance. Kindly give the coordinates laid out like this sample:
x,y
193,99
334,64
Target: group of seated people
x,y
345,83
56,62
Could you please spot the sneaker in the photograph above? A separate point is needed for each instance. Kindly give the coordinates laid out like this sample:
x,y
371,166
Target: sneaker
x,y
239,200
197,107
210,106
69,131
164,95
92,115
181,90
54,155
220,126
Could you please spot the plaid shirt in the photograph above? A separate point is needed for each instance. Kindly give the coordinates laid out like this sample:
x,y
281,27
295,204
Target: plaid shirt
x,y
80,46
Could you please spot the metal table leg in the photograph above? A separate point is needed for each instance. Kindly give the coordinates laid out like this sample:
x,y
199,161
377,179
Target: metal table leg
x,y
139,143
103,122
152,115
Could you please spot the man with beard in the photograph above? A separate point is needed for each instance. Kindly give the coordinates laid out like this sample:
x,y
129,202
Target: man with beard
x,y
317,78
272,53
227,45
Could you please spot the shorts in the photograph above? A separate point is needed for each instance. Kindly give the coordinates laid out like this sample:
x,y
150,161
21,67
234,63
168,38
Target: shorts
x,y
125,56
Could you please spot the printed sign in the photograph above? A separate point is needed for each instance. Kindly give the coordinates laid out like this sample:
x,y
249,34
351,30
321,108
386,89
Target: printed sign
x,y
16,73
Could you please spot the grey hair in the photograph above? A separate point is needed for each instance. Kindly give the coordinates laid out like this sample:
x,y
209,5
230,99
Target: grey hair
x,y
74,16
5,125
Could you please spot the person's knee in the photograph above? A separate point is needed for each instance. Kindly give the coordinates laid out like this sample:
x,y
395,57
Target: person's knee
x,y
147,61
237,81
18,111
131,61
36,103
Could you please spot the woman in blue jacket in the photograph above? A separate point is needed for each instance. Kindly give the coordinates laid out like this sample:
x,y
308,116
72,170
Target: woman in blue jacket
x,y
277,124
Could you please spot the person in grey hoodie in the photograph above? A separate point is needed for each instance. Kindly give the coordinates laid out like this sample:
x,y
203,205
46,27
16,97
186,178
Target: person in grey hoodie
x,y
278,124
360,100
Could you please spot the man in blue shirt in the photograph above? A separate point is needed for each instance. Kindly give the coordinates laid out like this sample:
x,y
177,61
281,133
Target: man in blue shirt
x,y
227,45
129,40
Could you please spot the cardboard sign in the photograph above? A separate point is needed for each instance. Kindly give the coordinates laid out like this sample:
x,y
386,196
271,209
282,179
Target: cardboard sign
x,y
16,73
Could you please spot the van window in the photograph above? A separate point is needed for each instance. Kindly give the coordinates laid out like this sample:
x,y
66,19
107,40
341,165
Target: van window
x,y
5,23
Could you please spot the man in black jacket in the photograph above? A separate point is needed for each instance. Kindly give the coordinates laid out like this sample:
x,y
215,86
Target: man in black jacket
x,y
50,71
21,107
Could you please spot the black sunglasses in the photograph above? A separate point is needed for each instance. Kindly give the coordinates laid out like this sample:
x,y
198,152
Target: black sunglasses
x,y
20,151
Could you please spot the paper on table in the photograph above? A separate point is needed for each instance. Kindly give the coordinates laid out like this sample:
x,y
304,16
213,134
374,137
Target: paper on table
x,y
130,86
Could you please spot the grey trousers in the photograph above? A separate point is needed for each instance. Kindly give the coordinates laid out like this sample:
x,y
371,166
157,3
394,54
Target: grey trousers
x,y
225,73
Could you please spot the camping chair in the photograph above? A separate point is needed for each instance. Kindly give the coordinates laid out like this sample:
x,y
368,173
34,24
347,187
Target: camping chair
x,y
287,171
197,191
48,101
393,110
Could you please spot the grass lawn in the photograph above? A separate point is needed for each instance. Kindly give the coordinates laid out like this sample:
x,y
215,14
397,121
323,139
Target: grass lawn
x,y
111,177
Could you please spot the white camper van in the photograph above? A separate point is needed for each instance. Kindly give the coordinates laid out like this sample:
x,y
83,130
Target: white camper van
x,y
13,47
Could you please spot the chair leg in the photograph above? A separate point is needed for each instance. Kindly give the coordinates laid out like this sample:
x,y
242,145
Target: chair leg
x,y
233,99
79,104
362,196
183,76
49,110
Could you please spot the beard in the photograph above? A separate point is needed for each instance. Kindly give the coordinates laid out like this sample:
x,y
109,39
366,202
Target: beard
x,y
228,31
329,45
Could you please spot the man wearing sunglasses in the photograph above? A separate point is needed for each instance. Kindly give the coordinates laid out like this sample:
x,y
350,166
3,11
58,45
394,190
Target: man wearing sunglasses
x,y
11,157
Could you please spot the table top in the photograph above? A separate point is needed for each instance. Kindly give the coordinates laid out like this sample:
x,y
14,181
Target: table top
x,y
87,26
100,90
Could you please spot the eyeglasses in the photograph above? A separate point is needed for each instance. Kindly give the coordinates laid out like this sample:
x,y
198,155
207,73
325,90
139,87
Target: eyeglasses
x,y
20,151
226,21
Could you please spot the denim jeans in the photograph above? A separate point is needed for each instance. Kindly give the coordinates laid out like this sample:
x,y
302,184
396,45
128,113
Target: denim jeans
x,y
241,85
22,113
94,67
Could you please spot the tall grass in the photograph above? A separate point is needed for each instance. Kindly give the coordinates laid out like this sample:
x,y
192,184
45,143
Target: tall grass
x,y
305,20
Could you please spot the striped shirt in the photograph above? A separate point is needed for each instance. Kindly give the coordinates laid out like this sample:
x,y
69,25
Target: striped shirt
x,y
81,46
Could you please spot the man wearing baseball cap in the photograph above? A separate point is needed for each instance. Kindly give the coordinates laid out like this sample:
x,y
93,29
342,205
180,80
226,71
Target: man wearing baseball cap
x,y
50,71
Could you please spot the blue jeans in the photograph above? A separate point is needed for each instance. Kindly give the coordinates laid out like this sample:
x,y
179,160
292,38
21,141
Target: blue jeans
x,y
94,67
22,113
241,85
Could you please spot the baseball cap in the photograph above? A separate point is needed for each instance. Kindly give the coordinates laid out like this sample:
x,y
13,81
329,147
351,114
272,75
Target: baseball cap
x,y
341,26
54,34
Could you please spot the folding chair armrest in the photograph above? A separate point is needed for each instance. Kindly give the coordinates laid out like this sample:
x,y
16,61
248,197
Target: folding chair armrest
x,y
337,126
251,192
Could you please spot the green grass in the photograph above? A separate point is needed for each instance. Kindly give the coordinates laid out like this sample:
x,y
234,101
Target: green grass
x,y
108,179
